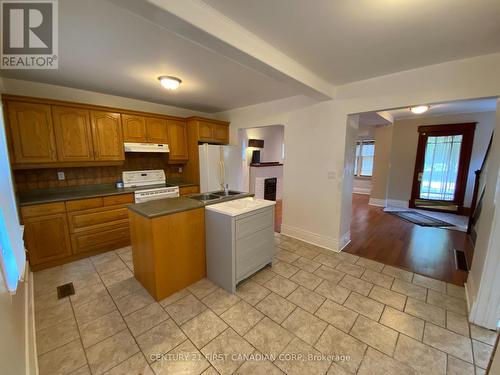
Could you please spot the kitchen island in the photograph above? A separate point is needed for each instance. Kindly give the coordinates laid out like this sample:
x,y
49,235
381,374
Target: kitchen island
x,y
168,242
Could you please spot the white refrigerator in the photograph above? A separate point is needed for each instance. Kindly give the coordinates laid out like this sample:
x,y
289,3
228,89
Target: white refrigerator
x,y
220,165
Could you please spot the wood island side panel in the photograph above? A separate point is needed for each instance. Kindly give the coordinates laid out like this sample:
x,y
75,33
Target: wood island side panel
x,y
168,251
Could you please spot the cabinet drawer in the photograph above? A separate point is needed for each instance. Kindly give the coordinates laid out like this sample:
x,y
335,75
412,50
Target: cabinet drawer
x,y
113,200
42,209
253,252
254,223
111,238
97,218
83,204
188,190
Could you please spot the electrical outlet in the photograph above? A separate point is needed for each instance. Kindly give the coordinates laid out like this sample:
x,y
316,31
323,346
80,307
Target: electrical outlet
x,y
331,175
180,169
61,176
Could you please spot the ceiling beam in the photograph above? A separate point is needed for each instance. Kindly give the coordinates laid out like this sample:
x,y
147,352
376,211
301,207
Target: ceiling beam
x,y
197,22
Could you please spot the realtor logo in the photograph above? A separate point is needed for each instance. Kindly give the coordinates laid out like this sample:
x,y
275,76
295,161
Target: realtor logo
x,y
29,34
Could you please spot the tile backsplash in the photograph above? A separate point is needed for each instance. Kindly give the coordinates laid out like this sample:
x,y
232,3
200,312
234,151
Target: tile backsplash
x,y
30,179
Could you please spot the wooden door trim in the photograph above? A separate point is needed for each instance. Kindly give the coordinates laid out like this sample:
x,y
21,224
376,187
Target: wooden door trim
x,y
467,130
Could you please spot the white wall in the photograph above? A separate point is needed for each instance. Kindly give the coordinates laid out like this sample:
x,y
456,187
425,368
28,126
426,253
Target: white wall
x,y
16,334
405,143
381,164
273,140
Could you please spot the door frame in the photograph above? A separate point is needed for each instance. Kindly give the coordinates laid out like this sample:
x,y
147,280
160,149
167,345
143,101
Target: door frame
x,y
467,131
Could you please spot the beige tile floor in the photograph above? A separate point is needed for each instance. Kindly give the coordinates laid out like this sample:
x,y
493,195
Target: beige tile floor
x,y
312,312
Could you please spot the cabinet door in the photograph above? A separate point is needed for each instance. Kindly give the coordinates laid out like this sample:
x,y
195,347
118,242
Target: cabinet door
x,y
177,140
107,136
73,134
221,133
205,131
32,133
156,129
47,238
134,128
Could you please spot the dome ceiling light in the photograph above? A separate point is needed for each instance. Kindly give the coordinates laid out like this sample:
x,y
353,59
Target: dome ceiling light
x,y
170,82
419,109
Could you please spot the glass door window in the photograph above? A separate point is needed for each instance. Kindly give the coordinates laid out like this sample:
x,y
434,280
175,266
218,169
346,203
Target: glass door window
x,y
441,166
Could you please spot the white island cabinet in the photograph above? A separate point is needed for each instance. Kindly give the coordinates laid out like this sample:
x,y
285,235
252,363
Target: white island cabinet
x,y
239,240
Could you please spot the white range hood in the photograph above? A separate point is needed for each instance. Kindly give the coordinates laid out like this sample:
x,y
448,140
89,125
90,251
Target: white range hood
x,y
146,147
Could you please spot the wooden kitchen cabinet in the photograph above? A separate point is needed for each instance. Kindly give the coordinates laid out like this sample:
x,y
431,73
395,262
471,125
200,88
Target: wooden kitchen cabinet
x,y
107,135
221,133
46,236
134,128
205,131
73,134
61,232
177,136
168,251
31,132
210,131
144,129
156,130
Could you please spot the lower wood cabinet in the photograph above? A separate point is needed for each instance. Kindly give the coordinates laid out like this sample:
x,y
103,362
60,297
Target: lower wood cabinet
x,y
61,232
47,238
113,237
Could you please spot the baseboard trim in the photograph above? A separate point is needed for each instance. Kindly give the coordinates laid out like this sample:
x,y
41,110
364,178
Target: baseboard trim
x,y
30,337
325,242
397,203
377,202
365,191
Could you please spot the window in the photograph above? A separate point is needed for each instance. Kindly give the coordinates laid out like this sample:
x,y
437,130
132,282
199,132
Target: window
x,y
363,163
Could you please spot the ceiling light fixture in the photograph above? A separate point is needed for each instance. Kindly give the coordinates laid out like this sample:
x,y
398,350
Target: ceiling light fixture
x,y
419,109
169,82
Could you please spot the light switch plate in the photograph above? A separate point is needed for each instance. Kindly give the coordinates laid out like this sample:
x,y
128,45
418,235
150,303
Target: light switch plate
x,y
61,176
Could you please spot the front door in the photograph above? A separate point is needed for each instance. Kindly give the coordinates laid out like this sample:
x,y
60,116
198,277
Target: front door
x,y
442,166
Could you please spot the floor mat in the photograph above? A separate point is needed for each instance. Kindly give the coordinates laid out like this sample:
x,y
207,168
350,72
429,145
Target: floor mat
x,y
420,219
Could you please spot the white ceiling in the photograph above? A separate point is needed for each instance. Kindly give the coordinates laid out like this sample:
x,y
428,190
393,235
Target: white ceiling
x,y
462,106
107,49
346,41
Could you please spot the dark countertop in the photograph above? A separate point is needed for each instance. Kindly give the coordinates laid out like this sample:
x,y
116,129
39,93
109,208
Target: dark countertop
x,y
80,192
167,206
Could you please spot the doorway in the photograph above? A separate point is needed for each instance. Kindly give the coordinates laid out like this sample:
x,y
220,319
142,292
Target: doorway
x,y
442,166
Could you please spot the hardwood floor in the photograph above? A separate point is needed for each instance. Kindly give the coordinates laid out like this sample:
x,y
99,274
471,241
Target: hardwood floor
x,y
278,209
387,239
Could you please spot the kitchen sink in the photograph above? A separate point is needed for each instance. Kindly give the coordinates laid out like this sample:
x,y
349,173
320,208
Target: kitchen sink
x,y
205,197
222,193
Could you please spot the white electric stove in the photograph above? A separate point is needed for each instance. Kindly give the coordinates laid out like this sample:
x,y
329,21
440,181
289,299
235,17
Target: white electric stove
x,y
151,184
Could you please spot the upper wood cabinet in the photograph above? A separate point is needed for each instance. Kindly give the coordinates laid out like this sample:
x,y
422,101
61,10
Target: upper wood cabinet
x,y
156,130
177,136
73,134
205,131
134,128
211,131
144,129
32,133
107,135
221,133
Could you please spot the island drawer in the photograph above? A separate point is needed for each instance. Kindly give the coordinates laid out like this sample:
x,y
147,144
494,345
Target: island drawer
x,y
253,252
253,223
